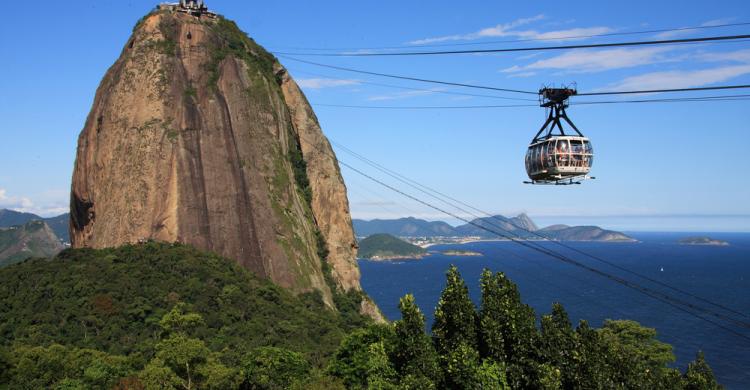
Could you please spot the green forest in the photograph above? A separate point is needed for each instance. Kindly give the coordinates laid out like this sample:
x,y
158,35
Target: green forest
x,y
167,316
386,245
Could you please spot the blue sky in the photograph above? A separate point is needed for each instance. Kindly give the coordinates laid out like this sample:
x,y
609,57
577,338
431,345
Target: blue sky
x,y
669,166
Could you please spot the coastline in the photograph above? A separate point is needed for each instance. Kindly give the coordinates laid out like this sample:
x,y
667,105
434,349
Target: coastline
x,y
473,240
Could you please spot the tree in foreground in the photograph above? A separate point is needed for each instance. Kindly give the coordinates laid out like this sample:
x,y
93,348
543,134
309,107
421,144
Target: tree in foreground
x,y
507,329
558,343
414,356
352,361
699,375
455,316
185,362
454,330
636,357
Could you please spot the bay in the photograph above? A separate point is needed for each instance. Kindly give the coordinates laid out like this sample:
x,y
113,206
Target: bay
x,y
717,273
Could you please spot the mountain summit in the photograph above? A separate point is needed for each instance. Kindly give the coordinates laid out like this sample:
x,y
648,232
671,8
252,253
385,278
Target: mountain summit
x,y
198,135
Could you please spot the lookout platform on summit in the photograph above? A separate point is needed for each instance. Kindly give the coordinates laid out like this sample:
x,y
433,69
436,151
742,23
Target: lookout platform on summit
x,y
196,8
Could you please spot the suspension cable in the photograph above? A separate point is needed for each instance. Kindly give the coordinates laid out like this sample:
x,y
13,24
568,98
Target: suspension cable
x,y
524,49
567,37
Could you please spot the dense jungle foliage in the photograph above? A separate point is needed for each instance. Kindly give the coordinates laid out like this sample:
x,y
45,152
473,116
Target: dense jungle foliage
x,y
162,316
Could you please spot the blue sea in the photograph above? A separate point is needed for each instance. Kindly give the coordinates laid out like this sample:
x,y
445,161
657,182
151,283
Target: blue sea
x,y
717,273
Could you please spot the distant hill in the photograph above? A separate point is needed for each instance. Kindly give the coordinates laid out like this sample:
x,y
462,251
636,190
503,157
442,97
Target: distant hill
x,y
386,246
10,218
32,239
519,226
404,227
702,241
583,233
58,224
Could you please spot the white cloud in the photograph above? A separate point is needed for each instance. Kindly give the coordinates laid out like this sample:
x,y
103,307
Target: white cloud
x,y
510,30
742,56
580,61
14,202
718,22
680,78
496,31
403,95
26,205
677,33
569,34
318,83
523,74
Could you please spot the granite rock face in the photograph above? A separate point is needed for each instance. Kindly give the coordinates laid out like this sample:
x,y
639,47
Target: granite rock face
x,y
198,135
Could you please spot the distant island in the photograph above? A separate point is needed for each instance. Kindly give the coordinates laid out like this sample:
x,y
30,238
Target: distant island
x,y
427,233
702,241
388,247
461,253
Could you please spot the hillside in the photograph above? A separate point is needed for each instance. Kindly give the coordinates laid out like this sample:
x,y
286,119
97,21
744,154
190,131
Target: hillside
x,y
583,233
198,135
32,239
386,246
169,316
518,226
59,224
404,227
10,218
112,300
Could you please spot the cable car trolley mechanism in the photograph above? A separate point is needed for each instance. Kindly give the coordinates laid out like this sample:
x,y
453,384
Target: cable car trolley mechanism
x,y
554,156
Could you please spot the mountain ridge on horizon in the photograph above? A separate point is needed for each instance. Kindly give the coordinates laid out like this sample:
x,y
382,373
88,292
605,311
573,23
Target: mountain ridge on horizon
x,y
58,223
521,225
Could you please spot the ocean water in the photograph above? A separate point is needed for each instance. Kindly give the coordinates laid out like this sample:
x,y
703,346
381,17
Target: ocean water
x,y
718,273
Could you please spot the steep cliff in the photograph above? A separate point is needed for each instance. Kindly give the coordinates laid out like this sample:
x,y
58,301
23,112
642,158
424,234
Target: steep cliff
x,y
198,135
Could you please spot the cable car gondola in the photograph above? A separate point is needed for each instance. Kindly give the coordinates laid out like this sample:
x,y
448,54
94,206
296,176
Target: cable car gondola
x,y
555,157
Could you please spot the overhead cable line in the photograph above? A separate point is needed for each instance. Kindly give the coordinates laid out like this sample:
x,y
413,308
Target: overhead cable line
x,y
441,197
672,302
523,49
422,89
476,86
676,304
490,106
568,37
409,78
693,89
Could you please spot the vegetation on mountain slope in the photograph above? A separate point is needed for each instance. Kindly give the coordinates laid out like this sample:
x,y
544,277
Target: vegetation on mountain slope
x,y
169,316
384,246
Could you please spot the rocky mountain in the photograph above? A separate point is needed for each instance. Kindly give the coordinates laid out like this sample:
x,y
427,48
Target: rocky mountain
x,y
32,239
519,226
198,135
59,224
404,227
